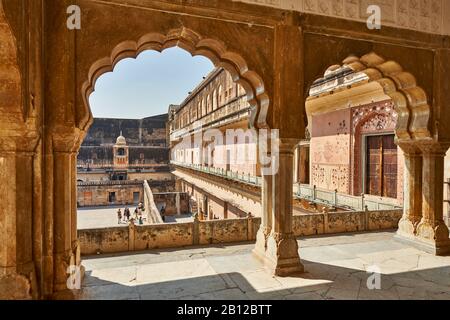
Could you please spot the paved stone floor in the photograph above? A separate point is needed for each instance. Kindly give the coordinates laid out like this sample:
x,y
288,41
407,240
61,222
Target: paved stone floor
x,y
100,217
106,217
336,269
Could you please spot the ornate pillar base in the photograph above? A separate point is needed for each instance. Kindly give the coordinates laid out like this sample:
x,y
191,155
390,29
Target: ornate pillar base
x,y
74,275
406,228
412,192
282,258
437,248
432,232
67,295
15,286
434,237
259,251
266,219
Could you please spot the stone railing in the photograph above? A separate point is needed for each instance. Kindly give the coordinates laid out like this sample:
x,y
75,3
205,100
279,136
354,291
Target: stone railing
x,y
239,177
307,192
151,211
175,235
130,165
111,183
345,201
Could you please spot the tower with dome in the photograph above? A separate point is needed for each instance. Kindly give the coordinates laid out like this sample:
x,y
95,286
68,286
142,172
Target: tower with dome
x,y
121,152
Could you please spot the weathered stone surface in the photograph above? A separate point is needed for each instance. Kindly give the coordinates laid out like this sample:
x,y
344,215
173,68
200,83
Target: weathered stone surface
x,y
110,240
271,53
15,287
232,273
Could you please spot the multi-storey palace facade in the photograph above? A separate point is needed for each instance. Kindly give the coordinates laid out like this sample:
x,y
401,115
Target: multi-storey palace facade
x,y
349,146
217,105
117,156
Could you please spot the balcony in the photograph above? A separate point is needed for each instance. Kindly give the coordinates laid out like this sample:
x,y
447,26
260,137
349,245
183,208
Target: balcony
x,y
238,177
307,192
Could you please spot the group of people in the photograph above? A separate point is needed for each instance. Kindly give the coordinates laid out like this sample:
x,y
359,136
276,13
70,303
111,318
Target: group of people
x,y
127,217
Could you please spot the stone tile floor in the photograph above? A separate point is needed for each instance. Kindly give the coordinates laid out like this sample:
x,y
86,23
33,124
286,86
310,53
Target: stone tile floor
x,y
335,269
100,217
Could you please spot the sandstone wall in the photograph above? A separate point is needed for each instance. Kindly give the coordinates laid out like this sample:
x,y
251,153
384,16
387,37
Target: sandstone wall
x,y
138,132
173,203
330,151
99,195
426,16
158,236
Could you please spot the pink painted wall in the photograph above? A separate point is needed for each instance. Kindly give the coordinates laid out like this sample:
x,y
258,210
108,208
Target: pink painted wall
x,y
330,151
337,148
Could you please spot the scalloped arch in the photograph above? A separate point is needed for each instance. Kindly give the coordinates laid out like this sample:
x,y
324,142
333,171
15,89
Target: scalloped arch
x,y
193,43
411,103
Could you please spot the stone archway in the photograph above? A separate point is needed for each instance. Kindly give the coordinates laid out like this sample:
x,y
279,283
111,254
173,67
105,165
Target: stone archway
x,y
411,103
193,43
422,223
87,55
283,258
368,120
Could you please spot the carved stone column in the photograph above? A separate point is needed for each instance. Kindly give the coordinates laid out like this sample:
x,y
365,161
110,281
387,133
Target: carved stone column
x,y
17,267
266,218
432,231
296,163
412,208
282,257
66,249
264,148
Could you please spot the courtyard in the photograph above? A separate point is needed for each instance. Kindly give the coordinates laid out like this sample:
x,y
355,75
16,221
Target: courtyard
x,y
100,217
106,217
344,101
336,268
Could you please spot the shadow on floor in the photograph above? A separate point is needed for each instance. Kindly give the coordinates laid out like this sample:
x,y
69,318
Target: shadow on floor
x,y
320,281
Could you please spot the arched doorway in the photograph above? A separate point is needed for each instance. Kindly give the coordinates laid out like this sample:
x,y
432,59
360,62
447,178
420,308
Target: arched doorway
x,y
251,67
373,81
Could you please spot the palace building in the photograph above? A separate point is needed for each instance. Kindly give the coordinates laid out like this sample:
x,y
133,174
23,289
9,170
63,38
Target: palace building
x,y
111,168
350,147
313,123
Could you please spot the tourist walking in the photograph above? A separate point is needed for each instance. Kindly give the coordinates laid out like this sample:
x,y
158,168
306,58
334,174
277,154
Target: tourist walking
x,y
127,214
119,216
163,213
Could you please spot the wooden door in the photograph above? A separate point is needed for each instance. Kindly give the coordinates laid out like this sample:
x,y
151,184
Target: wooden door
x,y
381,166
389,167
374,167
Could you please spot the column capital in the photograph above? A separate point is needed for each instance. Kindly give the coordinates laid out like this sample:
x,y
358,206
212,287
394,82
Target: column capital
x,y
434,149
409,147
287,145
65,139
26,143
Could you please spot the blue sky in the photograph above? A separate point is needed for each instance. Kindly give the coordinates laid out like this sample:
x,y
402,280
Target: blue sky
x,y
146,86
